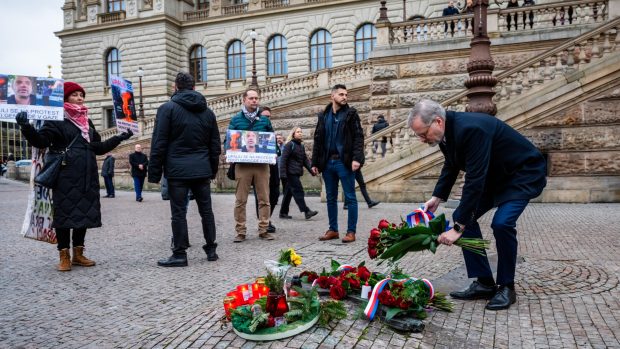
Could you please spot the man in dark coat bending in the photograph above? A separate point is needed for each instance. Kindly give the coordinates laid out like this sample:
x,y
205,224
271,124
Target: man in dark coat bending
x,y
503,170
186,145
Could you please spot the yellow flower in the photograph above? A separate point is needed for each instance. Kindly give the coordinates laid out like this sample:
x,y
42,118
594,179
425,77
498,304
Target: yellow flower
x,y
296,259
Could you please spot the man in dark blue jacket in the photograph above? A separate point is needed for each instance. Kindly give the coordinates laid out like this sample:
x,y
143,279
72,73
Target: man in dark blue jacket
x,y
338,152
503,169
450,11
186,146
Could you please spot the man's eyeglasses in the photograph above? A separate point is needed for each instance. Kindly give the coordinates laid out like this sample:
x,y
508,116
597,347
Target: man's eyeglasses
x,y
425,133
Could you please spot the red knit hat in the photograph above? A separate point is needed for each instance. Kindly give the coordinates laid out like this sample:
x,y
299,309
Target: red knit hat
x,y
71,87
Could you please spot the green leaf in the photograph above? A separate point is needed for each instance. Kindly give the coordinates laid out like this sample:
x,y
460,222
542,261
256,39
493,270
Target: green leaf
x,y
335,265
418,229
433,246
403,246
391,312
438,224
427,240
362,264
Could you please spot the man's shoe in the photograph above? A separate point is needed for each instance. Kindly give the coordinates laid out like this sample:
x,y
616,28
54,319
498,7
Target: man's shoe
x,y
329,235
345,207
210,251
173,261
271,228
266,236
309,214
107,196
350,237
285,216
111,196
475,291
502,299
239,238
372,204
139,199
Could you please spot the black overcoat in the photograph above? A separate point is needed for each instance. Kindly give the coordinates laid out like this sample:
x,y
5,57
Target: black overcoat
x,y
497,160
76,197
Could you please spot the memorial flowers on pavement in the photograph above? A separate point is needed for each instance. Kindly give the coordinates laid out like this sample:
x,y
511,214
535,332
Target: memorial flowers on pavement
x,y
420,232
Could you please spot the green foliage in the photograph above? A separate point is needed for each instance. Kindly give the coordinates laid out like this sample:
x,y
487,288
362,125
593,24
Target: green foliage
x,y
293,315
258,321
335,265
307,302
440,302
331,310
241,318
274,283
262,301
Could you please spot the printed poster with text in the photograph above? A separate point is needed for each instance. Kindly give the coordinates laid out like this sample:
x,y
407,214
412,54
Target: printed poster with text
x,y
124,106
250,147
42,98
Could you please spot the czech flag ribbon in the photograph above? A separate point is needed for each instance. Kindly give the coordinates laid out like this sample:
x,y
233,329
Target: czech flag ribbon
x,y
345,267
419,216
373,301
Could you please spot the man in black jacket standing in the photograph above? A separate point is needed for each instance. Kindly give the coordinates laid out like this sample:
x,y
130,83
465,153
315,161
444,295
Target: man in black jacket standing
x,y
107,172
139,162
338,152
186,146
503,170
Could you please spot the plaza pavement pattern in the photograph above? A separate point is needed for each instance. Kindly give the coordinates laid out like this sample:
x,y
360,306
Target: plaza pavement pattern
x,y
567,281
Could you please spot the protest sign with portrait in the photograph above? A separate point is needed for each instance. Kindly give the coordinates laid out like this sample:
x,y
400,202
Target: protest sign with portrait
x,y
41,98
250,147
124,106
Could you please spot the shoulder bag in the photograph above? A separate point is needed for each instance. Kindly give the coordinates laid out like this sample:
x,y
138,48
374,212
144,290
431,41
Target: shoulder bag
x,y
54,160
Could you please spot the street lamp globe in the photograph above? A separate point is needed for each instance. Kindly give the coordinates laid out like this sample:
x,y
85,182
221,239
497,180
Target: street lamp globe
x,y
253,34
140,72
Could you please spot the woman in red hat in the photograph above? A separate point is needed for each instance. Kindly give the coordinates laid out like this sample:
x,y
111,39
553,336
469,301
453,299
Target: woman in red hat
x,y
76,196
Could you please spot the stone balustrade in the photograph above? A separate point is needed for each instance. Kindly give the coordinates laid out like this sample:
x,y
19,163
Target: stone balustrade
x,y
275,3
564,13
196,15
234,9
108,133
110,17
519,80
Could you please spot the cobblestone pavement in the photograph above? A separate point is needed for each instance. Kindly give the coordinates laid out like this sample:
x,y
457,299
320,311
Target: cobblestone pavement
x,y
567,281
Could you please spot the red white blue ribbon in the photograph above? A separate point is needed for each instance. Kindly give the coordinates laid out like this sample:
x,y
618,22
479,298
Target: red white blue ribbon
x,y
345,267
419,216
373,301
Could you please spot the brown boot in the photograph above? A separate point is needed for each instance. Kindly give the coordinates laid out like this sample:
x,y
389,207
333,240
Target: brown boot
x,y
65,260
329,235
79,259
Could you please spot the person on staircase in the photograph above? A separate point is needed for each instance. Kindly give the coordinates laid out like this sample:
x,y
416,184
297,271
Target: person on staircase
x,y
76,196
292,164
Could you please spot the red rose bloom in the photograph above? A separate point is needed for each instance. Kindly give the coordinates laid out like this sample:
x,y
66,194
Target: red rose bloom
x,y
332,280
383,224
363,273
354,283
372,243
312,277
372,253
271,322
375,234
386,298
322,281
404,305
337,292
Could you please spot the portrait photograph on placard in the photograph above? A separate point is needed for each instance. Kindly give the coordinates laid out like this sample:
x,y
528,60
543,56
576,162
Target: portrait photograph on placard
x,y
42,98
250,147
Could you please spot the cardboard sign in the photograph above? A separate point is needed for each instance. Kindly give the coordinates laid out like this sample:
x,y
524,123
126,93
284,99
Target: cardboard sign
x,y
42,98
250,147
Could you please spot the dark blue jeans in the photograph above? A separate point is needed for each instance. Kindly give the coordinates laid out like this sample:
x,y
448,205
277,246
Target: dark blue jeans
x,y
109,185
503,225
138,183
335,171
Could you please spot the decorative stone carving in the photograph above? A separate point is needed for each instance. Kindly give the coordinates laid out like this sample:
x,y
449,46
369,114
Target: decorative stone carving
x,y
131,8
82,10
159,5
68,18
215,5
148,4
92,15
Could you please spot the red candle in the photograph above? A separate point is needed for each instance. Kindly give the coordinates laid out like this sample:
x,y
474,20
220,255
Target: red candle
x,y
245,292
228,305
237,298
264,291
255,291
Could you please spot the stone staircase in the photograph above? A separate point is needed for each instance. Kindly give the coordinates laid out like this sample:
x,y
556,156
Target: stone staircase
x,y
533,97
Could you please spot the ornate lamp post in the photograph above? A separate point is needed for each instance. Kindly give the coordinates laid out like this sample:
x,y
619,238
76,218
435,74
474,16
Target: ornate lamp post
x,y
404,10
480,67
140,74
254,83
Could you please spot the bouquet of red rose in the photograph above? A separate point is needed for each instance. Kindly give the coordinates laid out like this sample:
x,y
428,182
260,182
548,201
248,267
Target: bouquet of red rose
x,y
343,279
391,241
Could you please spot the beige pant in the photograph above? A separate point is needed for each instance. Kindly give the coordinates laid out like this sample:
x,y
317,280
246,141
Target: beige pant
x,y
244,175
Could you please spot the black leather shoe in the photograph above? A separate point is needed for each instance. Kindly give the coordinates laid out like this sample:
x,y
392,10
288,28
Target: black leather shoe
x,y
173,261
309,214
285,216
475,291
372,204
210,251
502,299
271,228
345,207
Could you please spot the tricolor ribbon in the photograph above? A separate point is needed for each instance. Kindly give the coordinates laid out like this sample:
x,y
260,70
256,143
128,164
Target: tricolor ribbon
x,y
373,301
419,216
345,267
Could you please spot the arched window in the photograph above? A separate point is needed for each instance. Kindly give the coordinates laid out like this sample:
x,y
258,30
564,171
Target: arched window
x,y
236,60
113,64
320,50
116,5
277,61
198,63
365,41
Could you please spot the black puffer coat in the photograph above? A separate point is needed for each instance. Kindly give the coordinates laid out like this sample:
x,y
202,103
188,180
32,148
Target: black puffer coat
x,y
186,141
76,198
294,159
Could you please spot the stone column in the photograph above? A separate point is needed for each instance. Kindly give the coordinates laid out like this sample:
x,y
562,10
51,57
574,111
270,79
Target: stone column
x,y
69,14
297,2
383,26
93,7
480,67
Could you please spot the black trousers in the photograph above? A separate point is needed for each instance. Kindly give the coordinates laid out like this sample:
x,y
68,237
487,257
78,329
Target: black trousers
x,y
274,188
293,189
63,236
178,191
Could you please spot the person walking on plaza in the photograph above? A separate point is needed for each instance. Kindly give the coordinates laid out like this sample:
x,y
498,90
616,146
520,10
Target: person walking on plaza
x,y
274,179
292,164
248,174
337,153
185,148
107,172
76,195
503,169
359,178
139,163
